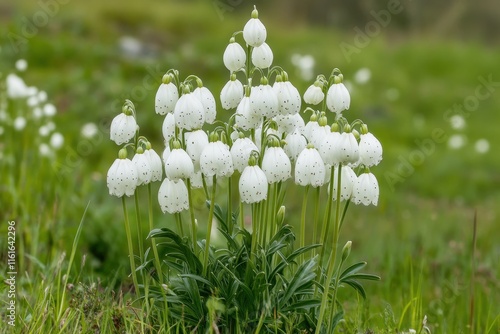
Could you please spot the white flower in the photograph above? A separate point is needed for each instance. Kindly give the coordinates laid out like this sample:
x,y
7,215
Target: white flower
x,y
231,94
263,101
309,168
216,160
234,56
289,100
143,166
262,56
16,88
123,128
347,151
347,180
37,113
295,143
328,146
155,164
173,196
45,150
89,130
56,140
370,150
32,101
338,98
196,141
276,165
310,127
246,118
254,32
289,123
314,94
365,190
21,65
42,96
208,101
319,134
258,134
166,98
122,178
189,112
168,128
253,185
44,131
240,152
166,153
19,123
178,165
49,110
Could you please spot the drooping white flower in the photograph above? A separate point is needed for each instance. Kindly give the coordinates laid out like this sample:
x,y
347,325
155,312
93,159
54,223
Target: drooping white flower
x,y
365,190
289,101
314,94
328,146
370,150
19,123
122,176
276,165
310,127
143,166
240,152
208,101
318,135
347,181
347,151
263,101
196,141
56,140
173,196
309,168
253,185
189,112
258,134
166,97
166,153
338,98
123,128
168,128
246,117
262,56
295,143
231,94
178,164
254,32
289,123
155,164
216,160
16,88
234,57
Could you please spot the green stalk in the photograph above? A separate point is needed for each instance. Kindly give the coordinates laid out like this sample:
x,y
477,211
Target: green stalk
x,y
326,224
315,216
191,215
153,241
303,222
331,262
242,216
178,220
229,220
209,227
266,213
139,225
255,228
130,245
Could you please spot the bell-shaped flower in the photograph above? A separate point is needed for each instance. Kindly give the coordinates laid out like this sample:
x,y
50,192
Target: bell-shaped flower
x,y
173,196
166,153
168,128
166,97
189,112
196,141
234,57
178,164
246,118
347,180
215,160
276,165
263,101
254,32
207,99
262,56
370,150
289,101
365,190
231,94
309,168
289,123
253,183
122,176
295,143
347,150
314,94
143,166
328,146
154,163
123,128
338,98
240,152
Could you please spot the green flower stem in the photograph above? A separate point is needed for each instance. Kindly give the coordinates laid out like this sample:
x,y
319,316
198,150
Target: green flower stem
x,y
326,224
272,221
178,220
209,226
130,245
139,225
315,217
191,215
242,216
255,224
229,220
331,261
153,241
303,222
266,215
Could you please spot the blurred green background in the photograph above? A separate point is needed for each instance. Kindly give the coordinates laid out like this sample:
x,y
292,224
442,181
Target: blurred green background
x,y
410,65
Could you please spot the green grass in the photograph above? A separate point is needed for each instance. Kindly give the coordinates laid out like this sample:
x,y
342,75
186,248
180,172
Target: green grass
x,y
419,238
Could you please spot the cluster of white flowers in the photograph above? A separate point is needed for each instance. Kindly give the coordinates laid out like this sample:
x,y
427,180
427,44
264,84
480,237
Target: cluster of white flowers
x,y
266,140
26,110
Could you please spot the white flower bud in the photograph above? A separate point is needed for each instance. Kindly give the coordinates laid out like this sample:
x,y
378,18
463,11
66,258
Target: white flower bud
x,y
234,57
309,168
123,128
254,31
122,178
189,112
276,165
253,185
314,94
240,152
208,101
338,98
231,94
173,196
370,150
196,141
289,100
178,165
263,101
166,98
365,190
216,160
262,56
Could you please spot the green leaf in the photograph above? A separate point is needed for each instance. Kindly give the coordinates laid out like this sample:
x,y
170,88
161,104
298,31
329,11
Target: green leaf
x,y
356,286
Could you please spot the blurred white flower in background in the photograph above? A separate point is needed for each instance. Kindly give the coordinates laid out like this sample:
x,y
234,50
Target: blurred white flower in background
x,y
304,65
362,76
482,146
89,130
56,140
457,122
21,65
456,141
19,123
